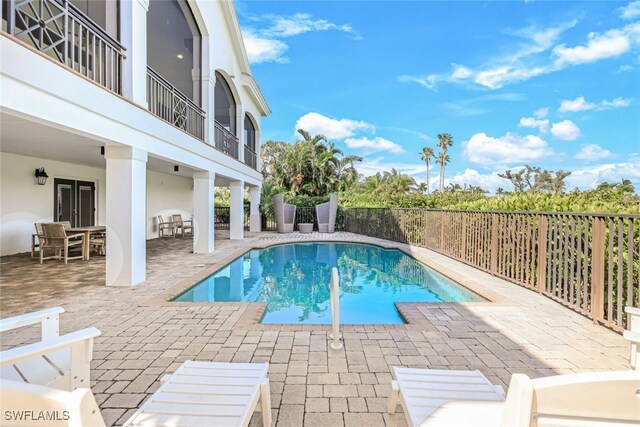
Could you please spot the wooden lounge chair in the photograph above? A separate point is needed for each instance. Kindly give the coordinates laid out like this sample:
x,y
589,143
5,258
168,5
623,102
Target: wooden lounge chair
x,y
587,399
164,226
285,214
198,394
326,214
633,335
56,239
61,362
185,227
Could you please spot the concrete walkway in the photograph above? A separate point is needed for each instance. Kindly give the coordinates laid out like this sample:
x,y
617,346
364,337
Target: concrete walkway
x,y
144,336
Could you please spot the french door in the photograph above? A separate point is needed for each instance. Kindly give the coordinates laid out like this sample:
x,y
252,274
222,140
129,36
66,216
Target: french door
x,y
74,201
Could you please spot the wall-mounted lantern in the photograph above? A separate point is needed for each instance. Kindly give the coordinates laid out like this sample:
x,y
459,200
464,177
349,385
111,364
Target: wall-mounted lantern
x,y
41,176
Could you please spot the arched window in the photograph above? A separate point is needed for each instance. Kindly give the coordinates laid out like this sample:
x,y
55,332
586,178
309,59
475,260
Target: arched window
x,y
173,45
249,133
225,113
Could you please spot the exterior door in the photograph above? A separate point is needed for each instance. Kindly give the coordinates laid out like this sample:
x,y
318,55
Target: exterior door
x,y
74,201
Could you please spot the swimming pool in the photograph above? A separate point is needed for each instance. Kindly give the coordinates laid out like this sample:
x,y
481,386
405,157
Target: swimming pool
x,y
293,279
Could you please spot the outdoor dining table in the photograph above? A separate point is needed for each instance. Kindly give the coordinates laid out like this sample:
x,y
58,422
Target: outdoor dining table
x,y
88,231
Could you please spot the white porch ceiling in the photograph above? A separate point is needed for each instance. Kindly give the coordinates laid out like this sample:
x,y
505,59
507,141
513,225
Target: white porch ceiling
x,y
30,138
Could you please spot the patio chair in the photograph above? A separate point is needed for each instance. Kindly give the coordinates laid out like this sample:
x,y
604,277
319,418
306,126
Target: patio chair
x,y
633,335
585,399
57,361
185,227
36,239
197,394
326,215
56,238
285,214
165,226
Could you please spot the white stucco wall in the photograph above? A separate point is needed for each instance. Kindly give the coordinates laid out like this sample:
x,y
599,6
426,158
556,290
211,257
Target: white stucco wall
x,y
23,202
167,195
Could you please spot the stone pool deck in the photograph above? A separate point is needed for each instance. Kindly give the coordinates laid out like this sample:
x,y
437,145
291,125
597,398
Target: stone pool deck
x,y
144,336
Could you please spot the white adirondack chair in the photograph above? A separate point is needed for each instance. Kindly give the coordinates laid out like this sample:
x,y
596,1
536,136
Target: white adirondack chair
x,y
633,335
577,400
61,362
206,394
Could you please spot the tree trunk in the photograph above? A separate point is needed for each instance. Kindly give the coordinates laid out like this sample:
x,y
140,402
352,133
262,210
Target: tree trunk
x,y
427,178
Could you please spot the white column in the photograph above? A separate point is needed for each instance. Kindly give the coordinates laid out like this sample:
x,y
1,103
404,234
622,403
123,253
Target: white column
x,y
254,211
133,35
125,202
236,222
208,88
258,147
203,229
240,132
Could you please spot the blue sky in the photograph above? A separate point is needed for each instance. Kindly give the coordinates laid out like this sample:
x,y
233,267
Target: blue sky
x,y
551,84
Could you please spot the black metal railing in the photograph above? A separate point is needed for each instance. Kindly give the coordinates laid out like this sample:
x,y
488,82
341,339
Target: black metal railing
x,y
250,158
60,30
171,105
225,141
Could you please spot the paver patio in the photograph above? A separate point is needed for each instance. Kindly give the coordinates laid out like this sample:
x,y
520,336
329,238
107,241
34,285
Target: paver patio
x,y
144,336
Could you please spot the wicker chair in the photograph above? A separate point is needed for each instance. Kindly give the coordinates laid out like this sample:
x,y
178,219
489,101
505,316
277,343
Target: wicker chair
x,y
285,214
185,227
165,226
56,238
326,215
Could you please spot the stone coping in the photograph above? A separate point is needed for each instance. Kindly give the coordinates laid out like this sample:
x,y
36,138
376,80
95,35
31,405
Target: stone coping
x,y
254,311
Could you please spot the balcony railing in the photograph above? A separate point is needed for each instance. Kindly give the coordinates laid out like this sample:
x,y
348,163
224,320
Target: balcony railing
x,y
250,158
225,141
171,105
60,30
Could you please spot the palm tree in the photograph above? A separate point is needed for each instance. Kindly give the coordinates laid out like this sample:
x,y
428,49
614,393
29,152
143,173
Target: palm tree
x,y
445,141
442,160
427,154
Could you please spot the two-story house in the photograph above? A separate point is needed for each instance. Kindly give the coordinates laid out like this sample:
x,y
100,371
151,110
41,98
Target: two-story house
x,y
133,109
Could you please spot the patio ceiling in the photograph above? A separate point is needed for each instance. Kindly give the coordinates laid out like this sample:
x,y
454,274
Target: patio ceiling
x,y
35,139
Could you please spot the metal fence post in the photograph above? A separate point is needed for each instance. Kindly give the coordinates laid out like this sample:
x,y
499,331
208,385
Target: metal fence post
x,y
542,253
463,236
597,269
494,243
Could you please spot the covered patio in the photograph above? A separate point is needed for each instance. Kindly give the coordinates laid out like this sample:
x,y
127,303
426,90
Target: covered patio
x,y
144,336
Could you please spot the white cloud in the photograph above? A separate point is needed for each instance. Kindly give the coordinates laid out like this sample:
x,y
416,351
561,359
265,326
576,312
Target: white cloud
x,y
609,44
316,123
264,44
565,130
487,181
281,26
429,81
593,152
371,166
261,49
541,113
586,178
372,145
617,103
578,104
508,149
531,58
531,122
630,11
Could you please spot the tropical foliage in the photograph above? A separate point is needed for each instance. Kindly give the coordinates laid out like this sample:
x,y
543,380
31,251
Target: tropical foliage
x,y
311,168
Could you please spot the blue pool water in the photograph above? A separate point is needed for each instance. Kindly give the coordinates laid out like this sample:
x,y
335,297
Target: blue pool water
x,y
293,280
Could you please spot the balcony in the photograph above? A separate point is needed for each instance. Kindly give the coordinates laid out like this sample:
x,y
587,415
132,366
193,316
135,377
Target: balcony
x,y
168,103
250,158
61,31
225,141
